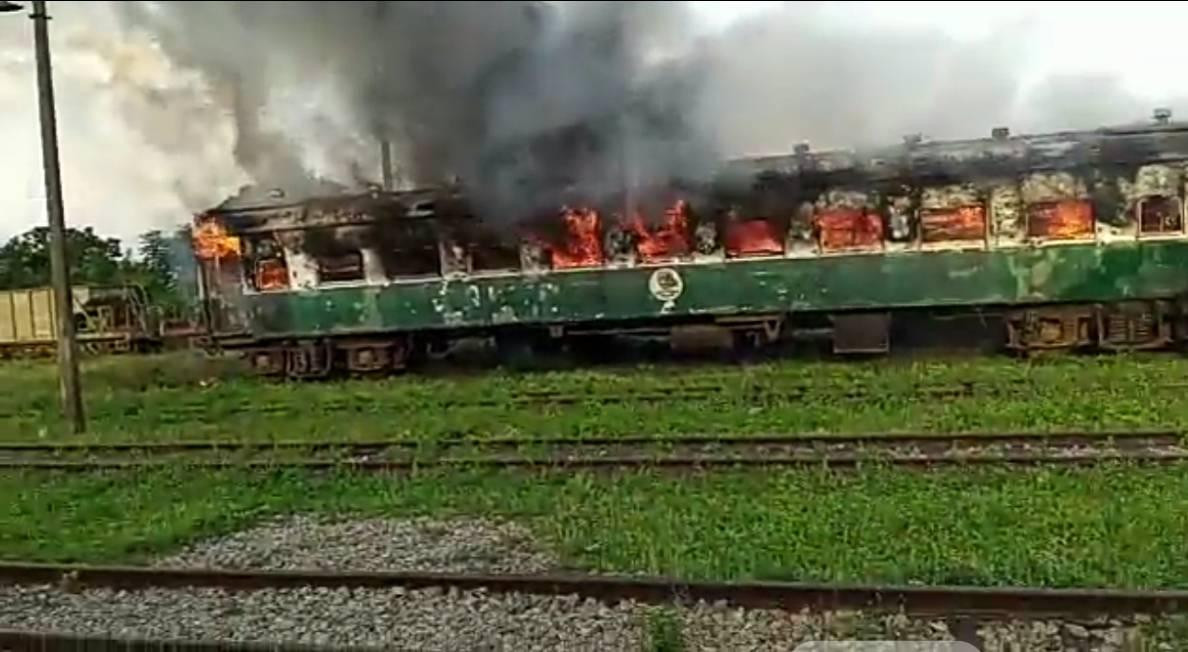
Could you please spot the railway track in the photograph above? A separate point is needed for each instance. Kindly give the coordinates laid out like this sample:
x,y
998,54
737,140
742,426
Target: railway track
x,y
908,599
754,393
750,394
690,452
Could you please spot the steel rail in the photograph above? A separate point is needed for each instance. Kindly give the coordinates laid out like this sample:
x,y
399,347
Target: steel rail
x,y
747,393
568,397
915,600
838,461
806,440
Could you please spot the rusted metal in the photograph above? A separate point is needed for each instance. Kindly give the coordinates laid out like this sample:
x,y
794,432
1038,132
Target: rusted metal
x,y
1053,327
310,359
1134,326
913,600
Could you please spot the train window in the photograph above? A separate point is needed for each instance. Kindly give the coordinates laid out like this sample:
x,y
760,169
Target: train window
x,y
494,256
272,274
410,250
845,228
1159,214
1060,220
264,261
341,268
959,223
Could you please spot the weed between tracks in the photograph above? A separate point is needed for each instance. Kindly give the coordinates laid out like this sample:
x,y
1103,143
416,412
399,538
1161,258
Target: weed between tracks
x,y
183,397
1114,526
664,632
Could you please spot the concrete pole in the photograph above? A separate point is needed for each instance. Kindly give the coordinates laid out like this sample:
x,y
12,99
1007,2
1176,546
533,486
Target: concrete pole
x,y
68,376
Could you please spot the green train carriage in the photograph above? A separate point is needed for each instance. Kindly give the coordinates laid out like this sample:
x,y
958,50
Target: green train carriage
x,y
1073,240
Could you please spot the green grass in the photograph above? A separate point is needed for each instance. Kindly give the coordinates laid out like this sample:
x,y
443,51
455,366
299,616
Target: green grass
x,y
1171,631
1114,526
183,396
664,632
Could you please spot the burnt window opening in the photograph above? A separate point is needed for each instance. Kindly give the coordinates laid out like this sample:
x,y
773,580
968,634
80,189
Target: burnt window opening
x,y
341,267
409,250
494,257
1064,219
336,253
271,274
960,223
902,220
264,264
1160,214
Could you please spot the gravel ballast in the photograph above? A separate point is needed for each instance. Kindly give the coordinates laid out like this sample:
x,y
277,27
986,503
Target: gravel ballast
x,y
428,619
421,544
432,619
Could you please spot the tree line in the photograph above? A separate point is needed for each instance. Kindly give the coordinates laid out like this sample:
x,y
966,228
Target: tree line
x,y
163,264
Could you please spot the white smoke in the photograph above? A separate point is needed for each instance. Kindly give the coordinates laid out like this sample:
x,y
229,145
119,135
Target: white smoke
x,y
143,144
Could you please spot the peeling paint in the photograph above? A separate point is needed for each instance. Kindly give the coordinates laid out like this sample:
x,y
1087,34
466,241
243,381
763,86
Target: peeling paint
x,y
504,315
1006,215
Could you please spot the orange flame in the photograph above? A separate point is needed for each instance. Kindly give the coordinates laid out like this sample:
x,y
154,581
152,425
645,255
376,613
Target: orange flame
x,y
757,237
272,274
849,228
1060,220
669,240
961,223
212,242
583,245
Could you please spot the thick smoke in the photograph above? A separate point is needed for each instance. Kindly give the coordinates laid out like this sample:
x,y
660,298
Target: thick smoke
x,y
166,108
143,142
523,102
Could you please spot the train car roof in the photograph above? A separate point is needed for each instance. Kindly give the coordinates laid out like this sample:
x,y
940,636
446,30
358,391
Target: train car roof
x,y
998,154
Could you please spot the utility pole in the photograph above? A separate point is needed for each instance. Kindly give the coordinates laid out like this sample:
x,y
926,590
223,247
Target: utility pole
x,y
68,377
386,164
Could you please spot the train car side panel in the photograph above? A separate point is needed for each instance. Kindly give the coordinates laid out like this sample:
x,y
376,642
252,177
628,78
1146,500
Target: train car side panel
x,y
1052,274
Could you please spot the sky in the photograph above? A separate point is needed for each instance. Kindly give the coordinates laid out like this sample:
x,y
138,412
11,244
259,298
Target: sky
x,y
122,185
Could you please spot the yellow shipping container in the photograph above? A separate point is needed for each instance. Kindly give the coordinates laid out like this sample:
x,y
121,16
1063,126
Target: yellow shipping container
x,y
27,316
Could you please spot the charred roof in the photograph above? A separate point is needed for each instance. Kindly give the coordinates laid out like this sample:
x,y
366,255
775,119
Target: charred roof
x,y
999,154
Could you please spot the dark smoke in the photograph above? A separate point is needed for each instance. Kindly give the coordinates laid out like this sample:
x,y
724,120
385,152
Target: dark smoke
x,y
526,103
532,105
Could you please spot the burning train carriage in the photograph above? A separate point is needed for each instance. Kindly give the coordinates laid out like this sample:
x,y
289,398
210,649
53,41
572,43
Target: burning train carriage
x,y
1076,239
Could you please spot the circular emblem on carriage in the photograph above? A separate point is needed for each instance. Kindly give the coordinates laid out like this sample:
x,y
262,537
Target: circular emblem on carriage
x,y
666,284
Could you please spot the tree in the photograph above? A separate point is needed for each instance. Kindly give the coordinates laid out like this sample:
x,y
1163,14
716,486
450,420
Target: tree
x,y
93,260
156,266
